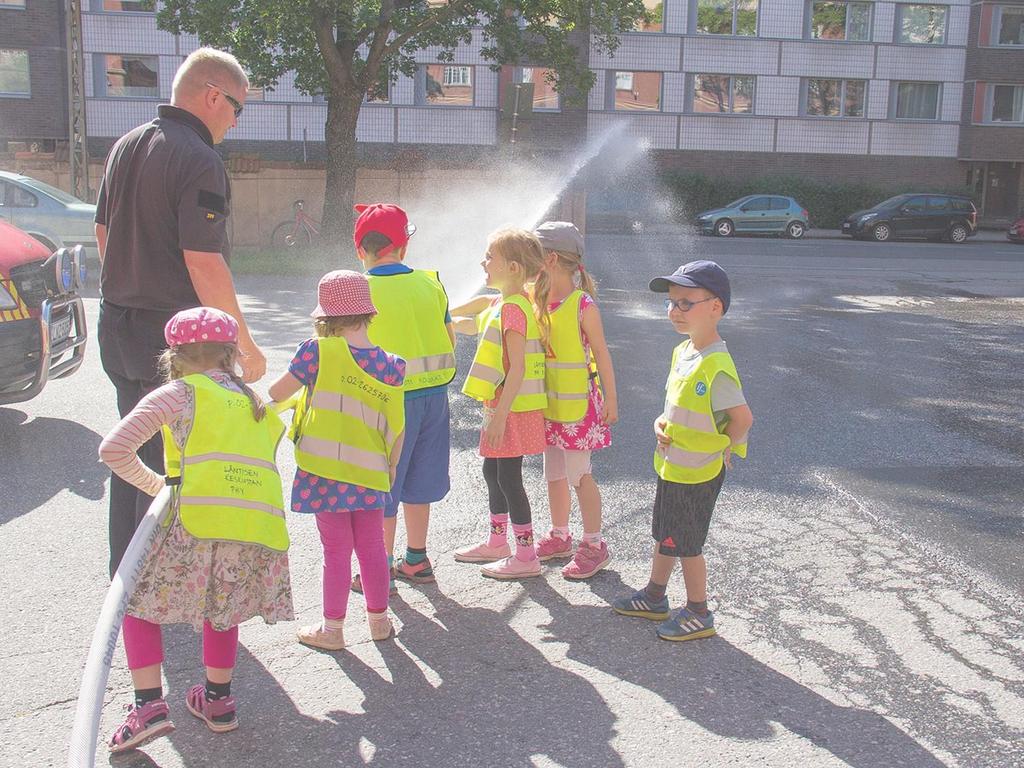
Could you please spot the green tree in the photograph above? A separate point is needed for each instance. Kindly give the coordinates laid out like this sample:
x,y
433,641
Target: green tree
x,y
345,49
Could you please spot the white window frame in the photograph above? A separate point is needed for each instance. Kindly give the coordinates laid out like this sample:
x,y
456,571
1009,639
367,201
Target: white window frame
x,y
990,101
894,101
809,31
997,23
735,12
28,71
521,78
421,97
96,6
101,75
898,23
692,95
805,93
17,5
465,75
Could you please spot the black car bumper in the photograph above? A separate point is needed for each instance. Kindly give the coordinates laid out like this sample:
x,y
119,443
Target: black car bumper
x,y
38,349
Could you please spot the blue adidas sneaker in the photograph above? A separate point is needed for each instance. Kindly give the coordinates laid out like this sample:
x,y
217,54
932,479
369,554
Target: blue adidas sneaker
x,y
640,605
684,624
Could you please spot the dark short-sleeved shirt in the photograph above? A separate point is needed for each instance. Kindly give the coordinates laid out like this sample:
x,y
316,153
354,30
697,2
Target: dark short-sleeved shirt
x,y
164,191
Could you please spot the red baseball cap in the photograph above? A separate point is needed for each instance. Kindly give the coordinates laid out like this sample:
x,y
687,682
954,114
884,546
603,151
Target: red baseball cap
x,y
390,220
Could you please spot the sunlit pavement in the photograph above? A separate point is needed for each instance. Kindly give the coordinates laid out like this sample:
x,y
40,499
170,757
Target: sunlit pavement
x,y
866,560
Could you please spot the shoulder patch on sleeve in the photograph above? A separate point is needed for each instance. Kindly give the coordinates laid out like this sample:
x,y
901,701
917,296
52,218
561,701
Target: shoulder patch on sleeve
x,y
212,202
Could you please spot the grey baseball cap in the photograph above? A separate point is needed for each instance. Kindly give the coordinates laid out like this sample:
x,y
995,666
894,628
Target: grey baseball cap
x,y
560,236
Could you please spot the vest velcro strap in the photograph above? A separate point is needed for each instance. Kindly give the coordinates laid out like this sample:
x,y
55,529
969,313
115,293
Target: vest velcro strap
x,y
492,334
531,387
429,363
350,406
329,449
688,419
565,366
219,456
486,373
689,459
568,396
228,501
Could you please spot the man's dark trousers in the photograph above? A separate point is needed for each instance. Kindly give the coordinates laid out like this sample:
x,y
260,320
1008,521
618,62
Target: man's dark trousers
x,y
131,341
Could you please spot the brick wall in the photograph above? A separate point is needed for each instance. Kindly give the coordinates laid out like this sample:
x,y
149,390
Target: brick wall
x,y
38,28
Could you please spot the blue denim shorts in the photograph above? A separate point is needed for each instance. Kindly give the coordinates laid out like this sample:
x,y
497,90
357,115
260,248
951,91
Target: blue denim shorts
x,y
422,476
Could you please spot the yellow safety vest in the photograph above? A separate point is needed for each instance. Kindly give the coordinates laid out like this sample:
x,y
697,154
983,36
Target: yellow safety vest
x,y
348,424
569,370
225,480
695,453
488,369
411,308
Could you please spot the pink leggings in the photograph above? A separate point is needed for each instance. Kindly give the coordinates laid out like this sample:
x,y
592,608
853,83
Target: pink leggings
x,y
340,533
144,645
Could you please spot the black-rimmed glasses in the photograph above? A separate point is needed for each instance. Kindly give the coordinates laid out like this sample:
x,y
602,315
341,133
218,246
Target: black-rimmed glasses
x,y
685,306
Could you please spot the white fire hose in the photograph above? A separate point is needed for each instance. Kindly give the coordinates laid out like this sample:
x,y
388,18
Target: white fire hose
x,y
85,733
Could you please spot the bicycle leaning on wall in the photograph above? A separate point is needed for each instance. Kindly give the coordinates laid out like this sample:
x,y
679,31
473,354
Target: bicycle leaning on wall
x,y
299,232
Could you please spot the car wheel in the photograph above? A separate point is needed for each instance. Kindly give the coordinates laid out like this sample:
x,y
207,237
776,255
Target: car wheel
x,y
881,233
958,233
724,228
795,230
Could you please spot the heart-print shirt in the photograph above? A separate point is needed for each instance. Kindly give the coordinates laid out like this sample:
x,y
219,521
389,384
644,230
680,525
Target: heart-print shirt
x,y
312,493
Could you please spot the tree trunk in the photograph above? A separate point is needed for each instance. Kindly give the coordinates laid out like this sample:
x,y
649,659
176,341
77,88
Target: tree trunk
x,y
342,164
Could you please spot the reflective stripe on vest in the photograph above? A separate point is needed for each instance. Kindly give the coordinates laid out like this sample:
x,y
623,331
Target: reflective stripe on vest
x,y
488,369
695,453
350,422
568,374
411,308
230,489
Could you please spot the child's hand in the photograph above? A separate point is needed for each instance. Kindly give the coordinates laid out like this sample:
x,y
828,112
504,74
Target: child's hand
x,y
727,457
494,430
610,412
660,425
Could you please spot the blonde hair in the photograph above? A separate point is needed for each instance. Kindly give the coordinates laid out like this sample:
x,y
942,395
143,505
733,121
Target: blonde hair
x,y
206,65
520,246
334,325
570,262
203,356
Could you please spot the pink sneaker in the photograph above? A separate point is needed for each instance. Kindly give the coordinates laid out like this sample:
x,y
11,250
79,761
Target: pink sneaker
x,y
587,561
512,568
482,553
553,547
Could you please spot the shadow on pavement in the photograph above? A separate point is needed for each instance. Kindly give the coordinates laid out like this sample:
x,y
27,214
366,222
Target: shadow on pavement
x,y
57,454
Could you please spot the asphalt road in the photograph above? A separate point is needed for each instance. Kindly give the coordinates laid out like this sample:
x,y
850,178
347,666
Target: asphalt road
x,y
865,560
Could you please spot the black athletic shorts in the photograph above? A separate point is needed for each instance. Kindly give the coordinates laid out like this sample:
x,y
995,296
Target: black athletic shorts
x,y
682,515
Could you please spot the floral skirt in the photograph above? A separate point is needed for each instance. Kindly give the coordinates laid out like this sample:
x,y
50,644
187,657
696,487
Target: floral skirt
x,y
186,580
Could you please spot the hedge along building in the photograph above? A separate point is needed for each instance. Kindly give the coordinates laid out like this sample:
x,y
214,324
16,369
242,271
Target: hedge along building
x,y
879,92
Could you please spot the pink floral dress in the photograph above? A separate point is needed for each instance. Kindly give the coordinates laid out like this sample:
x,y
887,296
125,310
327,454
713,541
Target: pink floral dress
x,y
589,433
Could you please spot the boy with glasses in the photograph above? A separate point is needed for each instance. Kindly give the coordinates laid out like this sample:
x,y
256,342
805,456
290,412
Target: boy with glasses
x,y
705,421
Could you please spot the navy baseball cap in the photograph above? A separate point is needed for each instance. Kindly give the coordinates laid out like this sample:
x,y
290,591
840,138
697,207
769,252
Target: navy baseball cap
x,y
698,274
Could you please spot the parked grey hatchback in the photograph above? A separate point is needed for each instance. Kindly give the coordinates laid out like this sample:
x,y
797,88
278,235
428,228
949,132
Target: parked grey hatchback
x,y
756,214
50,215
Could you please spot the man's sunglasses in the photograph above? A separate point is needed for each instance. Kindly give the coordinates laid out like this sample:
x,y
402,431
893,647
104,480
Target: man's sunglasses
x,y
230,99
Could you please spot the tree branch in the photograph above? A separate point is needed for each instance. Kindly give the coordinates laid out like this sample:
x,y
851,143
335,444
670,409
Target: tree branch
x,y
428,21
337,67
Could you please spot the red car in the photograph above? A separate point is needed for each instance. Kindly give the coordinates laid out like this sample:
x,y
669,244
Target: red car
x,y
1015,234
42,318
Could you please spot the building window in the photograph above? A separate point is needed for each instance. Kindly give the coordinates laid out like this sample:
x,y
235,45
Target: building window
x,y
131,6
130,76
654,17
637,91
835,98
14,80
723,93
916,101
545,97
448,85
727,17
921,24
841,21
1008,24
12,3
1007,104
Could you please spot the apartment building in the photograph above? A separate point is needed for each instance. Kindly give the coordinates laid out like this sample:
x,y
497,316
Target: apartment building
x,y
854,89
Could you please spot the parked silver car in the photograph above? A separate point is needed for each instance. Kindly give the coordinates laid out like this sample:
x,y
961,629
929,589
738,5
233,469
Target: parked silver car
x,y
50,215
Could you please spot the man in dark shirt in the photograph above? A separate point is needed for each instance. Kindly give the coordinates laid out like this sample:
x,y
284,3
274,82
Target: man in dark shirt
x,y
161,220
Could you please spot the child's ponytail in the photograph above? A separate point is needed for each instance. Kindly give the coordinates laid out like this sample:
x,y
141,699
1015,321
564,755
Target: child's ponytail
x,y
541,297
227,364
